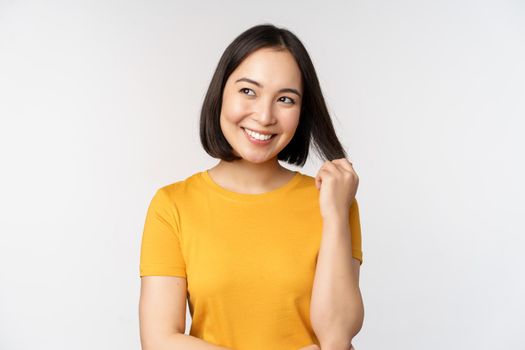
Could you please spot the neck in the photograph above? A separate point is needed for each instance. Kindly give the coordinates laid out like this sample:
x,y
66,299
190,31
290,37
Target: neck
x,y
247,177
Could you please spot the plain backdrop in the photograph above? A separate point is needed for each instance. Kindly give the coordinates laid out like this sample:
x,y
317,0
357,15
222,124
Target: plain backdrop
x,y
99,106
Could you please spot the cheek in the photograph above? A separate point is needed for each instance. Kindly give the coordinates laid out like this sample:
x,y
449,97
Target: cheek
x,y
234,110
290,121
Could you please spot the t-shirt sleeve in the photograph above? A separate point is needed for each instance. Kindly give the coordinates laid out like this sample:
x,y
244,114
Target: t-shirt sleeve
x,y
160,252
355,231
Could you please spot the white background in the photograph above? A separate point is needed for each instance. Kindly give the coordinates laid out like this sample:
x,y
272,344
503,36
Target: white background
x,y
99,106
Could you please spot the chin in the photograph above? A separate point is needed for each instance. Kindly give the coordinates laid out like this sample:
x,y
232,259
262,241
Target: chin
x,y
256,159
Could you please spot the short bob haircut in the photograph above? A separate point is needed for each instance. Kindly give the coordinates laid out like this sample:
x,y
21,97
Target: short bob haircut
x,y
314,121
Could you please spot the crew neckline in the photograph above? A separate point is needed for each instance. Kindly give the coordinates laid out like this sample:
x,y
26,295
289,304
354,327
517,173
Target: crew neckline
x,y
250,197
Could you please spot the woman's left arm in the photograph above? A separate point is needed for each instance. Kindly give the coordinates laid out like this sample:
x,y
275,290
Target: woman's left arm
x,y
336,306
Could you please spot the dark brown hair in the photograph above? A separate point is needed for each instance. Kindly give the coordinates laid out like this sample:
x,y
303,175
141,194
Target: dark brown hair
x,y
315,124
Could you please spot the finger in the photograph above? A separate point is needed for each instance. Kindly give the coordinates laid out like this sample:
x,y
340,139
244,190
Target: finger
x,y
346,166
336,168
319,177
345,163
331,165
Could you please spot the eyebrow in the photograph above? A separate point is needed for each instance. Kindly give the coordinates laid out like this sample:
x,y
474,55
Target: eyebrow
x,y
293,91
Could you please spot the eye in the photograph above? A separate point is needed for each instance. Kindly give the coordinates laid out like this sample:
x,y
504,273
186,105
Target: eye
x,y
244,89
291,99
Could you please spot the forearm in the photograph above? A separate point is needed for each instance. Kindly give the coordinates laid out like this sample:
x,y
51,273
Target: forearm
x,y
182,341
336,307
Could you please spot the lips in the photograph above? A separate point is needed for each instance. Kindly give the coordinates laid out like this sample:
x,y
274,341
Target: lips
x,y
259,132
257,141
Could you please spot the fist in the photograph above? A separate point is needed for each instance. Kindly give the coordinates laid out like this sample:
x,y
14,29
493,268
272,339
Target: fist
x,y
337,183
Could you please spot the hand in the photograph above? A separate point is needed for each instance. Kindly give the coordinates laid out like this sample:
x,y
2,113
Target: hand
x,y
337,182
316,347
311,347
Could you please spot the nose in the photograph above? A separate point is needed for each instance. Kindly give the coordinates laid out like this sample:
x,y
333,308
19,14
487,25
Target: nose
x,y
264,113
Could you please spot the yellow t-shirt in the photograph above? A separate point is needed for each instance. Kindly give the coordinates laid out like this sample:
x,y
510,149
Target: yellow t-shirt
x,y
248,259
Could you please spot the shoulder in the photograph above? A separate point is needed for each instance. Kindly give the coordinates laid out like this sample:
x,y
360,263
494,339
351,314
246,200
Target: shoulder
x,y
178,188
167,199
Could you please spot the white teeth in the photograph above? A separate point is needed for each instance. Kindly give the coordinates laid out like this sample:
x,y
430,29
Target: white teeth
x,y
257,135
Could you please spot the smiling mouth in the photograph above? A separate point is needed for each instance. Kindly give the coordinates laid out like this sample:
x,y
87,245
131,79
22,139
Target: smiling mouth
x,y
250,130
256,140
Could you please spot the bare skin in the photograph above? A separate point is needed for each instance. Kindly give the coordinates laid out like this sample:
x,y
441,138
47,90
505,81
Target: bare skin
x,y
254,98
264,94
311,347
316,347
230,176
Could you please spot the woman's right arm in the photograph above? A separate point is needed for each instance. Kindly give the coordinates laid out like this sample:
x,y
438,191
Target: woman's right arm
x,y
162,315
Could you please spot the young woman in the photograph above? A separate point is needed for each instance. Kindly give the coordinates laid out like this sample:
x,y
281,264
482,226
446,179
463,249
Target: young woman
x,y
268,258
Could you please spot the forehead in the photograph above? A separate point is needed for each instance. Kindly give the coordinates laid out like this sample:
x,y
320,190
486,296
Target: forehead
x,y
273,69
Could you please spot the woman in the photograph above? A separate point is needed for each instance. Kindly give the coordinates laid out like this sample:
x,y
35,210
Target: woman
x,y
268,258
